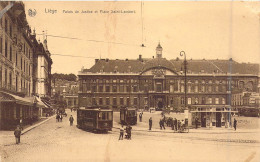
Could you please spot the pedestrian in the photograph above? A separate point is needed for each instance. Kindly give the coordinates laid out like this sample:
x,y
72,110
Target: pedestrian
x,y
196,122
129,132
121,135
17,134
178,125
162,123
175,124
71,119
61,117
140,117
235,124
57,118
150,123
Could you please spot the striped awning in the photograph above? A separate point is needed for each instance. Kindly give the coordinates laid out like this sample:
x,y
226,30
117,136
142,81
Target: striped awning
x,y
8,97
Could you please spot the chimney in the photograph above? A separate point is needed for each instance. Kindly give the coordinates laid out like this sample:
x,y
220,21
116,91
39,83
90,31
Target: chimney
x,y
96,60
140,57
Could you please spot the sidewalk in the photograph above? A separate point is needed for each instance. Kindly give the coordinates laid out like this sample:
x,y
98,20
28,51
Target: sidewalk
x,y
27,129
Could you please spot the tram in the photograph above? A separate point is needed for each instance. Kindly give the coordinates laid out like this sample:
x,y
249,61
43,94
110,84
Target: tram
x,y
128,116
95,119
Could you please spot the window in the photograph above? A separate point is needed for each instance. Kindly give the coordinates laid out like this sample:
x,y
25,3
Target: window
x,y
21,63
6,25
209,89
94,89
189,89
6,77
171,88
0,76
16,83
1,45
135,101
203,88
196,100
196,88
121,101
216,88
223,101
114,88
107,88
11,54
216,100
182,101
203,100
209,100
121,88
135,88
189,101
107,101
6,45
128,101
176,86
114,101
16,58
182,88
158,87
11,29
145,101
128,89
94,101
10,80
100,101
100,88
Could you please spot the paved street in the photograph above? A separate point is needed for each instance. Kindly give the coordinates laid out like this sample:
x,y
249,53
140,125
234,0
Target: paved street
x,y
54,141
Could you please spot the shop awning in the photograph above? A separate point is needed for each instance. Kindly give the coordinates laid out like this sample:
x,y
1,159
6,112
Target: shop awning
x,y
39,102
8,97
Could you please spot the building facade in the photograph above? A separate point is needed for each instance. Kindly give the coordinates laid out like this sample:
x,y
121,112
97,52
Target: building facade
x,y
160,83
18,81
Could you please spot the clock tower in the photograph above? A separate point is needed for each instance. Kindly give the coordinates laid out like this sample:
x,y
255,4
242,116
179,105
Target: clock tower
x,y
159,51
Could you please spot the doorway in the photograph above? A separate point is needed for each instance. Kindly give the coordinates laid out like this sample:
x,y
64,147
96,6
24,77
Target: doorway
x,y
203,119
218,119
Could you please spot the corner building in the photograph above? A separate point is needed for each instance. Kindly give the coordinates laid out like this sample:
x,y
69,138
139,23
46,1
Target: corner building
x,y
159,83
18,68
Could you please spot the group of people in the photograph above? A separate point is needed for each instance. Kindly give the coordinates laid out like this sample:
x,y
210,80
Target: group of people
x,y
128,131
59,117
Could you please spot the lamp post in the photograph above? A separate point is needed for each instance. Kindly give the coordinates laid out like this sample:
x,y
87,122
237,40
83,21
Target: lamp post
x,y
182,53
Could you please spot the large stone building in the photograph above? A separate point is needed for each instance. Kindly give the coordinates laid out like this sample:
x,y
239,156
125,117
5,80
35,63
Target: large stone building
x,y
159,83
18,66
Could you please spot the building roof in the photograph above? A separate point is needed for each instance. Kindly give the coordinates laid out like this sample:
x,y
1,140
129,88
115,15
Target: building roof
x,y
193,66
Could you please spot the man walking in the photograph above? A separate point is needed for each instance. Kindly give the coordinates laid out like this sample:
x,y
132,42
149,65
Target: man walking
x,y
17,134
121,135
196,122
175,124
140,117
61,117
57,118
71,119
150,123
235,124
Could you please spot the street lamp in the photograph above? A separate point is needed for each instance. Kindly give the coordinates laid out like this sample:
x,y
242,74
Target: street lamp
x,y
182,53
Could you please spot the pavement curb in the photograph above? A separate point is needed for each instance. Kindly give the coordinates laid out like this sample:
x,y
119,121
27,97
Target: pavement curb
x,y
36,125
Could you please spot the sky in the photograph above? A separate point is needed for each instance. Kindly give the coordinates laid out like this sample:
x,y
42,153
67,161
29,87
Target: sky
x,y
204,30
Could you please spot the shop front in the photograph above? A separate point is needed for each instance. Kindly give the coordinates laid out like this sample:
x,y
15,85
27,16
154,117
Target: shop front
x,y
210,116
15,109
